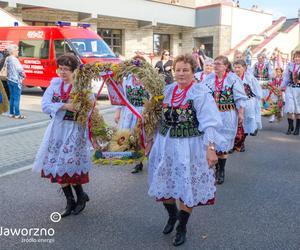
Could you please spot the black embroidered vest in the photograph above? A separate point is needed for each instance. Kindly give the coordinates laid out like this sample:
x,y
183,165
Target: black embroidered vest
x,y
137,96
182,121
224,99
248,91
69,115
294,82
265,73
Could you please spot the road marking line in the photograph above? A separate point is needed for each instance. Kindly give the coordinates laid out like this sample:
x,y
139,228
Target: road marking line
x,y
30,125
37,124
15,171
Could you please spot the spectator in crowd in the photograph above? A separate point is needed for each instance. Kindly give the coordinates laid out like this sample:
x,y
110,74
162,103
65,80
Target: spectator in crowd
x,y
164,66
15,77
197,59
202,54
248,55
277,59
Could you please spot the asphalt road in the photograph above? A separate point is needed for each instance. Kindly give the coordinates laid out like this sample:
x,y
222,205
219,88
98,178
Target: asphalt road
x,y
256,208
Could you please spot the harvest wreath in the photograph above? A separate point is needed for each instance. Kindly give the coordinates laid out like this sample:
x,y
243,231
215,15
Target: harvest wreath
x,y
113,146
270,107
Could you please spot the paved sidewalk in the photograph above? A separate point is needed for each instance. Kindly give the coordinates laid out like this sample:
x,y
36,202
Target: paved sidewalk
x,y
31,117
20,139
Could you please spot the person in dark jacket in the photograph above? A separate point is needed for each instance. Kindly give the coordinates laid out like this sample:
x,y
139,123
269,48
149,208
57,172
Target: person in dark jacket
x,y
164,66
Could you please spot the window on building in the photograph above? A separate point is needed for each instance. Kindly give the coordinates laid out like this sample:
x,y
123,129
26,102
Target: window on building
x,y
160,43
113,38
208,43
39,23
61,47
34,49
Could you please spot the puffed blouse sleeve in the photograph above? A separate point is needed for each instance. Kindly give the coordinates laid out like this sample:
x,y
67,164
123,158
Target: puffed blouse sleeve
x,y
48,106
257,90
208,115
239,94
286,76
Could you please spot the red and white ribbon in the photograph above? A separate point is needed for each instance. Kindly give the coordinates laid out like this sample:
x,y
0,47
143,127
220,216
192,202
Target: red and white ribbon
x,y
107,78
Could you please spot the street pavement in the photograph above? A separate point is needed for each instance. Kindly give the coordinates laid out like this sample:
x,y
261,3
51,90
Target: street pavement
x,y
256,208
20,139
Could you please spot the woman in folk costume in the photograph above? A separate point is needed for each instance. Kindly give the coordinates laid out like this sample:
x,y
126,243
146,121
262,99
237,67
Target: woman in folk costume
x,y
238,55
262,71
291,81
137,95
253,92
276,83
208,68
64,155
229,94
183,154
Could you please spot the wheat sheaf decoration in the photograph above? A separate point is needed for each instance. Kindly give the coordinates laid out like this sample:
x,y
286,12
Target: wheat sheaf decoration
x,y
109,141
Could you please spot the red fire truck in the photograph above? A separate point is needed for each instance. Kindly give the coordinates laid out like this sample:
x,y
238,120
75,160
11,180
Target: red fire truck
x,y
39,46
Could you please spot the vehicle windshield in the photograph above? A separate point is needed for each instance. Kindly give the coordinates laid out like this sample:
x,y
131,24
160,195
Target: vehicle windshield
x,y
92,48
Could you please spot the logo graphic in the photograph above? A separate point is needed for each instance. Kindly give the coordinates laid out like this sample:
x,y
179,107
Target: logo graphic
x,y
55,217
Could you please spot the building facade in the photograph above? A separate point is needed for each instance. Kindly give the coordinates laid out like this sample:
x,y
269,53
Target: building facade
x,y
149,27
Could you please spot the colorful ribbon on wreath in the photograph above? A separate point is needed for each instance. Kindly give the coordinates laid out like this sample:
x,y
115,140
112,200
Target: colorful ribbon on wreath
x,y
273,90
108,78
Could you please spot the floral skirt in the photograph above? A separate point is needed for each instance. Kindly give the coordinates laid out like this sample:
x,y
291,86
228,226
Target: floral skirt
x,y
239,141
66,179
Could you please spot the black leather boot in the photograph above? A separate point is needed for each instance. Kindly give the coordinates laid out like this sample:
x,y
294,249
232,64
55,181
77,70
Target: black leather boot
x,y
221,178
255,133
71,204
217,174
172,211
82,199
291,126
137,168
183,218
296,132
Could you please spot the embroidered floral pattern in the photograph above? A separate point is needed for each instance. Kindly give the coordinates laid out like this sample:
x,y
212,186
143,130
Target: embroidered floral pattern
x,y
137,96
181,121
248,91
69,116
66,156
294,80
265,72
192,183
224,99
